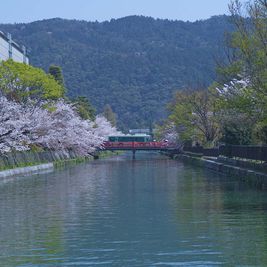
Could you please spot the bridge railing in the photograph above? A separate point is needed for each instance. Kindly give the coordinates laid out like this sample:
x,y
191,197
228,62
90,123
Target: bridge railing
x,y
136,145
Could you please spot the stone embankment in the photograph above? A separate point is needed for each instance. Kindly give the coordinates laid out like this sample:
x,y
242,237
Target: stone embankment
x,y
16,163
24,170
251,172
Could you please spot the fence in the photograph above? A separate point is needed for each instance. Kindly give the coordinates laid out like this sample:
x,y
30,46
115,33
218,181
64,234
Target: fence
x,y
209,152
246,152
232,151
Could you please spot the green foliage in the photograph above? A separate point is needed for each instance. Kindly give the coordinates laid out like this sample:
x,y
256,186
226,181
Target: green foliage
x,y
193,113
237,128
181,115
109,115
22,82
244,109
84,108
134,63
260,132
56,72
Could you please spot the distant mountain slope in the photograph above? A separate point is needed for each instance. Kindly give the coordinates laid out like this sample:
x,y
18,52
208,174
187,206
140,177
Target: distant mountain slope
x,y
134,63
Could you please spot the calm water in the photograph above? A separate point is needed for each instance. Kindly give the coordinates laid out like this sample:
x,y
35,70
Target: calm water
x,y
117,212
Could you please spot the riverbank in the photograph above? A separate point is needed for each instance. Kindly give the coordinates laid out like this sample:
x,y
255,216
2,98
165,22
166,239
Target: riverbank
x,y
28,162
249,172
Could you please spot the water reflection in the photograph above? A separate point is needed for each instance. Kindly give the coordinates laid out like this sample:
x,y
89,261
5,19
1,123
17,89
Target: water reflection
x,y
118,212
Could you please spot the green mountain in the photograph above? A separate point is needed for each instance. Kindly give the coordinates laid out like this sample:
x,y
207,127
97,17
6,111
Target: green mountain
x,y
134,63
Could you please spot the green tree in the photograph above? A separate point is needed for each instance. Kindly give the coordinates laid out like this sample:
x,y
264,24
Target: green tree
x,y
237,112
23,82
56,72
194,115
245,95
109,115
84,108
250,42
236,127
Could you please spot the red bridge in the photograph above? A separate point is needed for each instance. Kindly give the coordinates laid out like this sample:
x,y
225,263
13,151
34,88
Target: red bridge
x,y
135,146
138,146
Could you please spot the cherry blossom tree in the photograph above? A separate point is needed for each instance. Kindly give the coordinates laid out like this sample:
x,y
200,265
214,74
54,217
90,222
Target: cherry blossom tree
x,y
64,129
104,128
235,87
13,127
238,111
50,125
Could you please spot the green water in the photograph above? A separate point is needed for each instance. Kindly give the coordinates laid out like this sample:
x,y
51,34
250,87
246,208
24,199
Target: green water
x,y
118,212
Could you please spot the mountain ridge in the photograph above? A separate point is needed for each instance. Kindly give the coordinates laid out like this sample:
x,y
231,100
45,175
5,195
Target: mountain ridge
x,y
133,63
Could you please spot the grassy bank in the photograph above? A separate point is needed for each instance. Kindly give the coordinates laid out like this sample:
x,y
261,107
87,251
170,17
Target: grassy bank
x,y
68,162
107,154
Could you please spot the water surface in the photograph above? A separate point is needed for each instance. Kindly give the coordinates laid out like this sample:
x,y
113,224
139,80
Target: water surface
x,y
152,211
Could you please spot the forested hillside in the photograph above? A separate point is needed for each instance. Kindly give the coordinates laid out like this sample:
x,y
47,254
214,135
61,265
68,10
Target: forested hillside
x,y
134,63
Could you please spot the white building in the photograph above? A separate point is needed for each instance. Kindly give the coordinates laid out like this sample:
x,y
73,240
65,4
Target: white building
x,y
11,50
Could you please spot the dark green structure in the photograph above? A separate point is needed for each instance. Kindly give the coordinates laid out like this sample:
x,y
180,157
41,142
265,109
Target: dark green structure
x,y
130,138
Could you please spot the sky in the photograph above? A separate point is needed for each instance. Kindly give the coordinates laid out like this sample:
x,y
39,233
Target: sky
x,y
16,11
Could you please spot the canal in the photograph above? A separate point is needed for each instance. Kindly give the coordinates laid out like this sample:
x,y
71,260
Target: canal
x,y
151,211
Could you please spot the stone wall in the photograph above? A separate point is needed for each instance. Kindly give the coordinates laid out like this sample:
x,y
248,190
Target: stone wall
x,y
30,158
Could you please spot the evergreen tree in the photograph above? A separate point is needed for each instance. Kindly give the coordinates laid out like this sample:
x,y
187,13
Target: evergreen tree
x,y
110,115
56,72
84,108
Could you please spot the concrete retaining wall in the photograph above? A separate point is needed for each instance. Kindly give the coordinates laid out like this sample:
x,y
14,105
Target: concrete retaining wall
x,y
247,164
